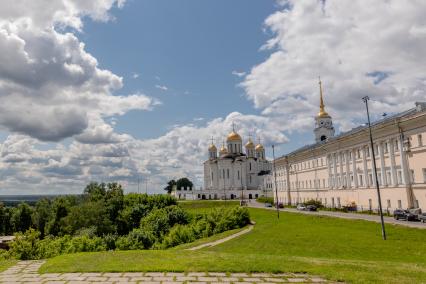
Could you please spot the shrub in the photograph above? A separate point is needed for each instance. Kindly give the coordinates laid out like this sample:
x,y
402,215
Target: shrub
x,y
179,234
25,245
136,239
264,199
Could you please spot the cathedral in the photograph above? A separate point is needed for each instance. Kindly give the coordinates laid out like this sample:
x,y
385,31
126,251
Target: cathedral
x,y
234,173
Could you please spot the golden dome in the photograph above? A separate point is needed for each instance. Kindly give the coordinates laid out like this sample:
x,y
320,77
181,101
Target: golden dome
x,y
259,147
223,150
249,144
212,148
323,114
234,137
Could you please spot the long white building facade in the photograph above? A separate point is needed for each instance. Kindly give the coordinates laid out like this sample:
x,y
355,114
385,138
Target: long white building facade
x,y
234,172
338,170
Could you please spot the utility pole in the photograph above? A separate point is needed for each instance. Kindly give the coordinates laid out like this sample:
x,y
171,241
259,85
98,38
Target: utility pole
x,y
138,184
275,181
146,186
365,99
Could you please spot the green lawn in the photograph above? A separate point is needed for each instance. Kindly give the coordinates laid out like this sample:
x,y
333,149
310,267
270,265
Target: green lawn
x,y
5,264
337,249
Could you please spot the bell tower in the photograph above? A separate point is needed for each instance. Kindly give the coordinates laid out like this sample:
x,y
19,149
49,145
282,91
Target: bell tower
x,y
324,128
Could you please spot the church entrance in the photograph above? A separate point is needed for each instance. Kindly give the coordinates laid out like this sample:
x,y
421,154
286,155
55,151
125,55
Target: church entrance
x,y
203,197
250,196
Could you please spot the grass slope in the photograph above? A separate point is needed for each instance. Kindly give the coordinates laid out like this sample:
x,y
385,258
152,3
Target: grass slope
x,y
338,249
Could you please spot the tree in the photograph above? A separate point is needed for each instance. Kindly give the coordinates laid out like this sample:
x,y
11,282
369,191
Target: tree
x,y
95,191
41,215
170,185
21,218
184,183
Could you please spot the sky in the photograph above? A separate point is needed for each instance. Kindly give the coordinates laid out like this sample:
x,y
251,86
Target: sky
x,y
132,91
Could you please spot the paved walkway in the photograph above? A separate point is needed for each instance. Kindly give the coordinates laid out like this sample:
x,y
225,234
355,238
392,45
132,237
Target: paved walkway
x,y
356,216
26,272
215,243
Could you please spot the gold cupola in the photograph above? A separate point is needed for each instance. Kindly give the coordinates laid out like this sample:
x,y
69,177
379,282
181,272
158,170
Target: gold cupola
x,y
322,113
259,147
212,148
233,137
223,150
249,144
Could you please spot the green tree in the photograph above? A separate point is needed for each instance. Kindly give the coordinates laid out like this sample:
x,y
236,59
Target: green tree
x,y
21,218
41,215
170,185
95,191
60,208
184,183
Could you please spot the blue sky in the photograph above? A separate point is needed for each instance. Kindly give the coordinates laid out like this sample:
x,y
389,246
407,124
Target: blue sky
x,y
122,90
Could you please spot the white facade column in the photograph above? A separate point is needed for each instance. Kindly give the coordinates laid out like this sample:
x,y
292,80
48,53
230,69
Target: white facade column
x,y
341,169
382,163
354,171
373,170
328,159
392,158
403,162
364,161
348,176
335,185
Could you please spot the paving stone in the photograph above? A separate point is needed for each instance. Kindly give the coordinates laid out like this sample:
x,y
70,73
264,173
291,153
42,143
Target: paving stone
x,y
50,275
229,279
217,274
208,279
242,283
118,279
239,275
269,279
317,279
77,282
198,282
196,274
74,278
175,274
133,274
296,280
55,282
112,274
163,279
252,279
186,278
142,278
171,282
97,278
155,274
91,274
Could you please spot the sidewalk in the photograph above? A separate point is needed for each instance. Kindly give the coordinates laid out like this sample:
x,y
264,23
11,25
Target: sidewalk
x,y
353,216
26,272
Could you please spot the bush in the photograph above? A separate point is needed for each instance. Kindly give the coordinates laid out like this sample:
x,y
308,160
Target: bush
x,y
136,239
264,199
25,245
179,234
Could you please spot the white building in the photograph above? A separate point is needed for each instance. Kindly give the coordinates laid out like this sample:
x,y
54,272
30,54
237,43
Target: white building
x,y
338,170
233,173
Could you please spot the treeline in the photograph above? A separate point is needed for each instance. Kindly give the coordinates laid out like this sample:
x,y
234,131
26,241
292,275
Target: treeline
x,y
103,218
102,208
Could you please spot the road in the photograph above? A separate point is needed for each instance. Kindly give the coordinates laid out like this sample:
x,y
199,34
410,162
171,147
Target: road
x,y
354,216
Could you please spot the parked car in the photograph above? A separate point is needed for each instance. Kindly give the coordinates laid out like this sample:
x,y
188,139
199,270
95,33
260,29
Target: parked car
x,y
403,215
268,205
311,208
280,205
301,207
422,217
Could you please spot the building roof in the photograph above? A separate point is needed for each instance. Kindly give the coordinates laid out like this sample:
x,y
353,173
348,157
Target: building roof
x,y
420,106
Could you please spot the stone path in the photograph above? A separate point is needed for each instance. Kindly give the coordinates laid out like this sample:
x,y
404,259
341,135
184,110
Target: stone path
x,y
215,243
27,272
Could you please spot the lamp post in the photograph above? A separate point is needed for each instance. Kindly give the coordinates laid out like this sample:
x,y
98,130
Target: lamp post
x,y
365,99
275,182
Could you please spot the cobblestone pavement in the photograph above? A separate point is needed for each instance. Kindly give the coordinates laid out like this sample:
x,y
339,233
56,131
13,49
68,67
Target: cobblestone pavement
x,y
27,272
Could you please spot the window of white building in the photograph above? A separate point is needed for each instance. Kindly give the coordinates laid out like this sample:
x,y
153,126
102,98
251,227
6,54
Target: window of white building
x,y
227,173
338,202
412,176
399,204
424,175
323,182
419,140
361,181
370,204
389,178
399,177
395,143
370,176
389,203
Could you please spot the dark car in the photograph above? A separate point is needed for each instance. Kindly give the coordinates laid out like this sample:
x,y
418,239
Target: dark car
x,y
400,214
422,217
268,205
311,208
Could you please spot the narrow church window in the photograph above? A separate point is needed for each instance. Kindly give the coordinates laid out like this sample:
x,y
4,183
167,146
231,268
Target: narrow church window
x,y
227,173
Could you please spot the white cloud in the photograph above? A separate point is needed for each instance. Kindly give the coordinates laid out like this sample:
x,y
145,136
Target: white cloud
x,y
238,74
162,87
135,75
345,42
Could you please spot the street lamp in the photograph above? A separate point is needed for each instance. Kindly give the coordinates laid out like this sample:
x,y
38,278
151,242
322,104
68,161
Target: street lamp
x,y
275,181
365,99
